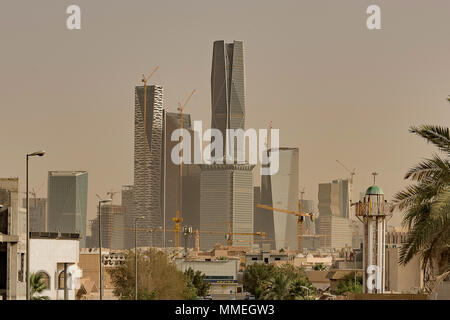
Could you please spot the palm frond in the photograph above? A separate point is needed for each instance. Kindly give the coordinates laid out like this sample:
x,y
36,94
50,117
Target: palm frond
x,y
437,135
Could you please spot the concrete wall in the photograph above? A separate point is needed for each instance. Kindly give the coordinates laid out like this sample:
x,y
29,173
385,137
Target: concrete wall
x,y
401,278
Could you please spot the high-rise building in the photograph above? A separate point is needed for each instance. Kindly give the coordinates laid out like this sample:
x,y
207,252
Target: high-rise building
x,y
333,224
284,189
148,134
226,202
113,227
190,210
227,88
127,203
38,213
67,202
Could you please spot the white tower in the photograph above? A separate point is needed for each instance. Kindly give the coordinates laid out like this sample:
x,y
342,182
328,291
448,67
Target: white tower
x,y
373,211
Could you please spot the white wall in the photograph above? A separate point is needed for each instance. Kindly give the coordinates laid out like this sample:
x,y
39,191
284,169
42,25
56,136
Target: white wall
x,y
49,255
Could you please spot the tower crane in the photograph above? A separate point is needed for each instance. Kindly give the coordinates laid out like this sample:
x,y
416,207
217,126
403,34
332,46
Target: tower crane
x,y
300,217
111,195
178,215
144,81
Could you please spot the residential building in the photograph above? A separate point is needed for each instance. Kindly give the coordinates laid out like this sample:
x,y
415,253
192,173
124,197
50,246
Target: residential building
x,y
266,256
55,257
67,202
12,242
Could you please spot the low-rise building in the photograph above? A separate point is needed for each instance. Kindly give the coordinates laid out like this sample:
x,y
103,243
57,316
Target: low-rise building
x,y
267,256
221,274
55,257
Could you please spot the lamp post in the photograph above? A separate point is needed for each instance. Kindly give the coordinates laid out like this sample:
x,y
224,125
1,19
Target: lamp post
x,y
135,258
100,243
27,274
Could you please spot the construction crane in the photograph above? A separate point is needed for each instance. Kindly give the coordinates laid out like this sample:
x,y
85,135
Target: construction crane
x,y
144,81
111,195
229,236
178,215
300,217
352,175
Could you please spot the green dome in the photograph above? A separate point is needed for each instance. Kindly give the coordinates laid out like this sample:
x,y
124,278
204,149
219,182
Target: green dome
x,y
374,190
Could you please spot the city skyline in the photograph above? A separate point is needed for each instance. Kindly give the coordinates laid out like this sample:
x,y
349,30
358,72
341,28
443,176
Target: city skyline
x,y
325,118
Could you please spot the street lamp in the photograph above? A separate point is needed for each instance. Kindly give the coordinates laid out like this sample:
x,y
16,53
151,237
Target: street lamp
x,y
135,257
100,242
34,154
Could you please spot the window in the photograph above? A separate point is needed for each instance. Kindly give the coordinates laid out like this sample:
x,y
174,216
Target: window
x,y
21,271
277,259
45,278
61,280
254,258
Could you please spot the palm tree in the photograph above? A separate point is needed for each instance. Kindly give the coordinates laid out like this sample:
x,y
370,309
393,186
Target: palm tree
x,y
426,206
37,285
277,288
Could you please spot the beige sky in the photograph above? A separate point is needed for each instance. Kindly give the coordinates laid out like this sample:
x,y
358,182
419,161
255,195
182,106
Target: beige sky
x,y
335,89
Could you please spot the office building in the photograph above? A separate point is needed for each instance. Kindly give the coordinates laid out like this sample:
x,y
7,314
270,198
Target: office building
x,y
226,203
67,202
127,203
284,189
228,88
112,228
148,134
333,224
12,242
55,257
190,204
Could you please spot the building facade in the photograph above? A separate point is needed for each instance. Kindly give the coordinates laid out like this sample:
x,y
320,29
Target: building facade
x,y
67,202
228,88
12,242
112,228
284,188
55,257
148,135
38,214
334,225
226,203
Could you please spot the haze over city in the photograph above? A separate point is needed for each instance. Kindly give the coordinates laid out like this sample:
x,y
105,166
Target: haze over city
x,y
334,89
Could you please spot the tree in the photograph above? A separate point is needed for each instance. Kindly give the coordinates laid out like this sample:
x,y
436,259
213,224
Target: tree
x,y
426,206
319,267
255,275
347,284
37,285
197,280
301,289
277,288
158,279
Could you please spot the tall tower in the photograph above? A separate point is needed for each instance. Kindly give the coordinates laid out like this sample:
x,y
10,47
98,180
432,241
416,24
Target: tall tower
x,y
147,162
227,87
373,211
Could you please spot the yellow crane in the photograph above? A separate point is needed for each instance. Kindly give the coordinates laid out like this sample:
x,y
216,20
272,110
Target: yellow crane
x,y
178,215
300,217
144,81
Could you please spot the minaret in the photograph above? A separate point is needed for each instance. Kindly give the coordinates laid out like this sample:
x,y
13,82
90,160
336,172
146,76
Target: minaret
x,y
373,212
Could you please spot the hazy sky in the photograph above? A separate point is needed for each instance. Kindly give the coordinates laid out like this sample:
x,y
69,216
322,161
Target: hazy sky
x,y
335,89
